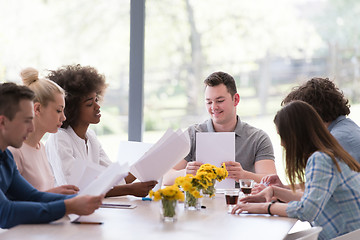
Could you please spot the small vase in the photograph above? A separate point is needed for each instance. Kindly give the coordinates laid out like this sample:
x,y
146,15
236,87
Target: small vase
x,y
168,210
210,191
191,203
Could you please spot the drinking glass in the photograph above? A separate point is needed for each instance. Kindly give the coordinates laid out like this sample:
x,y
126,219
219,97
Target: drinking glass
x,y
246,186
231,197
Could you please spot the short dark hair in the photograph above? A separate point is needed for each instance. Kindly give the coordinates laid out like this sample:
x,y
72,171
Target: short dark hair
x,y
218,78
10,96
324,96
77,81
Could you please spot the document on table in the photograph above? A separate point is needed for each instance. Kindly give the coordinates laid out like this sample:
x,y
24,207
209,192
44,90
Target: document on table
x,y
112,175
216,148
162,156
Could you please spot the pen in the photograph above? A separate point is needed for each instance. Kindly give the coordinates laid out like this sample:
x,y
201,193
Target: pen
x,y
96,223
146,199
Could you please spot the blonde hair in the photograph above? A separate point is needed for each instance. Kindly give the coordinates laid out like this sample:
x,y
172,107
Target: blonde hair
x,y
43,88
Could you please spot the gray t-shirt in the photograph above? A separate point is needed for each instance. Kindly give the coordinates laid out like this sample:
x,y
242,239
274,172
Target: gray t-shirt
x,y
251,144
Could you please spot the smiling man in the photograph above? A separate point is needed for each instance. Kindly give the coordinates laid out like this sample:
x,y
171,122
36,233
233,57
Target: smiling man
x,y
254,154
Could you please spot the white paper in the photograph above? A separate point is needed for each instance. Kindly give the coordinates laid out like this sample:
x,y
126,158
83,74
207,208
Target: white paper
x,y
216,148
130,151
84,172
112,175
94,218
162,156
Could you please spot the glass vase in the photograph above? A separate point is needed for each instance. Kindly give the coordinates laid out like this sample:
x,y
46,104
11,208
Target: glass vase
x,y
168,210
191,203
210,191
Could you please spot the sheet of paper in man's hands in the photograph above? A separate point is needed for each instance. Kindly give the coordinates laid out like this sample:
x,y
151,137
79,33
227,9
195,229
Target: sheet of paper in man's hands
x,y
216,148
112,175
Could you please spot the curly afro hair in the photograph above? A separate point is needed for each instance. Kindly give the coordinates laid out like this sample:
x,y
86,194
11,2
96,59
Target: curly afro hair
x,y
78,82
323,95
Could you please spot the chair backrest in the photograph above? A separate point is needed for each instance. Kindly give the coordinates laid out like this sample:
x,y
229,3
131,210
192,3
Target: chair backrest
x,y
308,234
350,236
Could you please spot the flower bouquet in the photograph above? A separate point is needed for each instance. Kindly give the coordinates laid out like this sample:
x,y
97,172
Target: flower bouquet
x,y
169,197
192,185
215,174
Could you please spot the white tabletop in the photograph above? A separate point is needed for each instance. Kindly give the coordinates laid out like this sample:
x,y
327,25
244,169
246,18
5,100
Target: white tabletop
x,y
143,222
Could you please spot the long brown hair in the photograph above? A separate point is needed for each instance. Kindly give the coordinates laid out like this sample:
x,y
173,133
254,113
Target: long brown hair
x,y
302,133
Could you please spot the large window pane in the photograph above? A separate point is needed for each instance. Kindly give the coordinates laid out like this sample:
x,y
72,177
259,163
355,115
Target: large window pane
x,y
268,46
52,33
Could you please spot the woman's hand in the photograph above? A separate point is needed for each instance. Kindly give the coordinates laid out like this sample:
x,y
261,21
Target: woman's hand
x,y
65,189
272,180
259,208
141,189
264,196
258,188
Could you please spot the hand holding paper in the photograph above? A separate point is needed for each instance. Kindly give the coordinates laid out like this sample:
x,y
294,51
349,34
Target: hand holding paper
x,y
112,175
216,148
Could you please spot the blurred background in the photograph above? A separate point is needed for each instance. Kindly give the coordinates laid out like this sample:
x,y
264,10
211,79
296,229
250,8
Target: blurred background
x,y
268,46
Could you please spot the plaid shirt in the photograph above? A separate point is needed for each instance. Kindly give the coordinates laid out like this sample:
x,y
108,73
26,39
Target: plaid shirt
x,y
331,198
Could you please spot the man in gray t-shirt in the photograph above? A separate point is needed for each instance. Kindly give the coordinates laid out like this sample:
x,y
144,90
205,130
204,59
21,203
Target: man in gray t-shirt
x,y
251,144
253,149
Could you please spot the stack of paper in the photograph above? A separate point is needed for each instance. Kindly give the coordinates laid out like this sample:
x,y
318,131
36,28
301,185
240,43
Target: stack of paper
x,y
162,156
216,148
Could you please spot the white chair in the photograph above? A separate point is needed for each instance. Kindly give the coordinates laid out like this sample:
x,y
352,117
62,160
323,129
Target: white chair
x,y
308,234
354,235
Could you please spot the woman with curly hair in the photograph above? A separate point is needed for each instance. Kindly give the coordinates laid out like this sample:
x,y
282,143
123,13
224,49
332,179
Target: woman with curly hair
x,y
75,142
327,174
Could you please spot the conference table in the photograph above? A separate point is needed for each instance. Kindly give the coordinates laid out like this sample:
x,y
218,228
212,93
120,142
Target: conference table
x,y
143,222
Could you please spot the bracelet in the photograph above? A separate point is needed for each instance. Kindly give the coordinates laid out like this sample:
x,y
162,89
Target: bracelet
x,y
271,203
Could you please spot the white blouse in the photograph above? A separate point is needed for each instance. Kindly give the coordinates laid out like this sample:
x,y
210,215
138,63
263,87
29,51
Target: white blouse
x,y
65,149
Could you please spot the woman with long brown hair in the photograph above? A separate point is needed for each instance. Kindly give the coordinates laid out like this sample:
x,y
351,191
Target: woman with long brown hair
x,y
327,174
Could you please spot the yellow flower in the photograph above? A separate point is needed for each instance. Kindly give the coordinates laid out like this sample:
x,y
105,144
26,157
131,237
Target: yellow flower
x,y
214,172
157,196
170,193
196,194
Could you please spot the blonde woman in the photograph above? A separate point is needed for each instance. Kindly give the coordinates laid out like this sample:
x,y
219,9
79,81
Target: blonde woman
x,y
31,158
